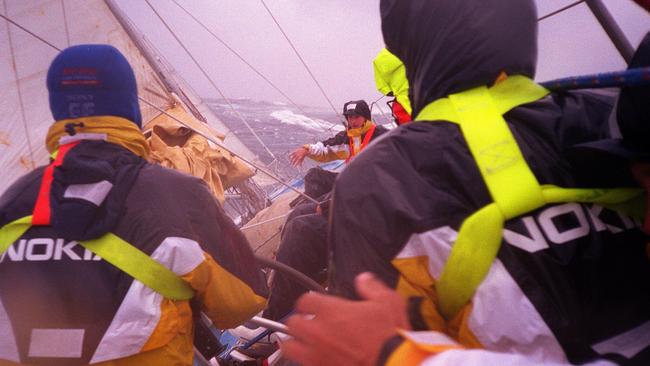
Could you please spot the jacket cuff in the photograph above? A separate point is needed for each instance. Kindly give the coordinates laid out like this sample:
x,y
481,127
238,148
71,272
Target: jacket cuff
x,y
388,348
315,149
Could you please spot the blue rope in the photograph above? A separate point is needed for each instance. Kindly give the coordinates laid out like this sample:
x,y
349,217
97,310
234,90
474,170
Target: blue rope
x,y
632,77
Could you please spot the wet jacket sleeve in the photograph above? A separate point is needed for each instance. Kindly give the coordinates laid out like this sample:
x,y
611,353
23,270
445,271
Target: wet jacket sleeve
x,y
228,283
436,349
335,148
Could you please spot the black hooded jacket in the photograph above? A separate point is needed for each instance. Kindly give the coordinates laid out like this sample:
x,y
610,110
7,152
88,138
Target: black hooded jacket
x,y
60,304
569,278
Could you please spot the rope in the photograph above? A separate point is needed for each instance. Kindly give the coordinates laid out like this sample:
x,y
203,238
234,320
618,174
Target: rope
x,y
241,117
618,79
209,138
267,240
264,222
301,59
302,279
241,58
20,94
560,10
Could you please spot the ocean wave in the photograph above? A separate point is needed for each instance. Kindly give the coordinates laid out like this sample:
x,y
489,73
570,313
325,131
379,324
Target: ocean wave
x,y
290,118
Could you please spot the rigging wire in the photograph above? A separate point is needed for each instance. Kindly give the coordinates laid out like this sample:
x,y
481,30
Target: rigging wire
x,y
29,32
209,138
240,157
241,117
387,120
608,24
301,59
20,94
264,171
234,52
558,11
375,103
238,55
65,23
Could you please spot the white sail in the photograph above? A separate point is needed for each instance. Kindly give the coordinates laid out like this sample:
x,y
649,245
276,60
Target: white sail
x,y
24,60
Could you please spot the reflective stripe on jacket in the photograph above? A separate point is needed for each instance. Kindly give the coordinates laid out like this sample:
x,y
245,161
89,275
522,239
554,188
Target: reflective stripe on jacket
x,y
59,300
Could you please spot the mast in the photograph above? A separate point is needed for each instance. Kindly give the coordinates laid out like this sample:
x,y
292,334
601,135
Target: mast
x,y
612,29
148,53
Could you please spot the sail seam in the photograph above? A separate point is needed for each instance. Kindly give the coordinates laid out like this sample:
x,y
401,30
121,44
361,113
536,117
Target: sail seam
x,y
18,90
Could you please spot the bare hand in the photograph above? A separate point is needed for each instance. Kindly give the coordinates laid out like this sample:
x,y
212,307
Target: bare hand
x,y
345,332
298,155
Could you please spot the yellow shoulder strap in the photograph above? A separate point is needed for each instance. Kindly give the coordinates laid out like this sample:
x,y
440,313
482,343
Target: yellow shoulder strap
x,y
512,185
13,231
119,253
140,266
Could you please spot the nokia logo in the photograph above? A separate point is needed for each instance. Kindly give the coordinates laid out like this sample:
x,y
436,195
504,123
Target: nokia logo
x,y
564,223
45,249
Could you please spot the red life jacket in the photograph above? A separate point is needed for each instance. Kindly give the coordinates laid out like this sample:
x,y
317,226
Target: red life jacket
x,y
400,114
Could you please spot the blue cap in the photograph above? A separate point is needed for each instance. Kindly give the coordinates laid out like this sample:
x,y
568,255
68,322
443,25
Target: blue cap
x,y
92,80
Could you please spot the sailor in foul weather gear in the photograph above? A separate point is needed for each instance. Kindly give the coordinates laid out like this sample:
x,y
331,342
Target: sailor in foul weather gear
x,y
390,78
346,144
303,245
501,237
101,252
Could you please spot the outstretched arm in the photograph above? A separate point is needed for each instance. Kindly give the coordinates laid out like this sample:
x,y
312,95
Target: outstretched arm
x,y
298,155
334,148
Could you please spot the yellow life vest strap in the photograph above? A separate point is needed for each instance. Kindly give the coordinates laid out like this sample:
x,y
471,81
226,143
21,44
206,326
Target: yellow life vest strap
x,y
119,253
12,231
512,185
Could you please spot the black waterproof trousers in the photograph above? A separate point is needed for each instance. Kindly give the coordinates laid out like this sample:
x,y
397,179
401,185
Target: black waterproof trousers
x,y
304,248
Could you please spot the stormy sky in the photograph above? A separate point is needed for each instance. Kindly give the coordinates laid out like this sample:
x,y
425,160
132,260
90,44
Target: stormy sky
x,y
338,40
